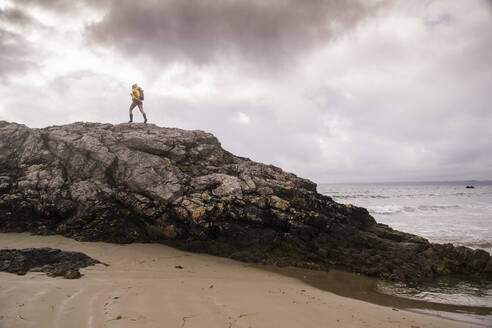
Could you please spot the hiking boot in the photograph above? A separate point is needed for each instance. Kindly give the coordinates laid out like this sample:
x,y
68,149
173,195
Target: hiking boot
x,y
145,119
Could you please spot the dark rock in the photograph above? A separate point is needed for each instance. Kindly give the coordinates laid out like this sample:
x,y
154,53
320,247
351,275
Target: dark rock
x,y
125,183
72,274
53,262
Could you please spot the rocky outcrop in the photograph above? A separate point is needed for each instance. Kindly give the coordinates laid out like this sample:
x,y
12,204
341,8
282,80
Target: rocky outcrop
x,y
125,183
54,262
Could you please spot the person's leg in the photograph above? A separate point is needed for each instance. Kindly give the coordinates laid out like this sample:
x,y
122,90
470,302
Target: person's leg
x,y
132,106
140,106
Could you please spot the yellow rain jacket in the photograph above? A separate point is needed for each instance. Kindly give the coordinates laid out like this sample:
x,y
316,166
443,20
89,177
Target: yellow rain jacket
x,y
136,96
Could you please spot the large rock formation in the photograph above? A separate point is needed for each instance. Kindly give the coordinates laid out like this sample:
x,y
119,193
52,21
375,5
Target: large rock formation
x,y
126,183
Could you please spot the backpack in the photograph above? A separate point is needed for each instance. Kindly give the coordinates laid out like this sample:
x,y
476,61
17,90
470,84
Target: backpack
x,y
141,93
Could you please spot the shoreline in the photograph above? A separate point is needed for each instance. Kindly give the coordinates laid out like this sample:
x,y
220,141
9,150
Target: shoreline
x,y
143,287
360,287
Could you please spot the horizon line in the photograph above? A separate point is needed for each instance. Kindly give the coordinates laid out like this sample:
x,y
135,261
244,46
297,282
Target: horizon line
x,y
487,181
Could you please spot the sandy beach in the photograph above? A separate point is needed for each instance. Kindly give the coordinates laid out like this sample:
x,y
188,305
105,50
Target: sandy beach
x,y
149,285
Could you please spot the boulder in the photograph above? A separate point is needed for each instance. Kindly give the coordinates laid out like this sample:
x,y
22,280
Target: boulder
x,y
135,182
54,262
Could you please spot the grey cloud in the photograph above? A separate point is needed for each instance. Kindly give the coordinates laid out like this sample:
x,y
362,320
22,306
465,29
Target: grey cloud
x,y
62,6
76,96
15,16
55,4
14,57
264,32
17,54
440,20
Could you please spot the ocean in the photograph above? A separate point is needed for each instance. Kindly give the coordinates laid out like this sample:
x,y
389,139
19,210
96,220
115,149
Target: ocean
x,y
444,212
440,212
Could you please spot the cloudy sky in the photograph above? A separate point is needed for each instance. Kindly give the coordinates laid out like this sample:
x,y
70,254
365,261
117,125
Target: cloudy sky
x,y
335,91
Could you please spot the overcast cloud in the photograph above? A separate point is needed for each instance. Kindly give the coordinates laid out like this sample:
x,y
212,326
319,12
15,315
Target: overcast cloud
x,y
268,34
335,91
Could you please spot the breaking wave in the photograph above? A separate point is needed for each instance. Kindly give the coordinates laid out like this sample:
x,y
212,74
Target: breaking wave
x,y
483,244
385,209
357,196
391,209
437,207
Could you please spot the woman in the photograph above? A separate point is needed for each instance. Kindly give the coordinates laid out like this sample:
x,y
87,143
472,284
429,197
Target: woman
x,y
137,100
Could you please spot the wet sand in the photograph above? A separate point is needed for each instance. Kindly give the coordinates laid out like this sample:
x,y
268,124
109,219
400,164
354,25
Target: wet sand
x,y
149,285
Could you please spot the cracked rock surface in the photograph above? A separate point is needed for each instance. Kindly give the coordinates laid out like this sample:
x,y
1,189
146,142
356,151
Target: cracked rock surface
x,y
134,182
